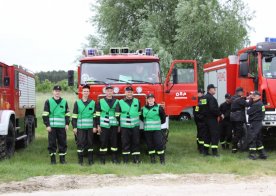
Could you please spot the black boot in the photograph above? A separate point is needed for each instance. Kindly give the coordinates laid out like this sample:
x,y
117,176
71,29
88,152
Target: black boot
x,y
152,159
62,159
252,155
201,149
206,151
115,158
53,159
90,158
215,152
136,159
125,158
234,148
80,157
262,154
102,159
162,159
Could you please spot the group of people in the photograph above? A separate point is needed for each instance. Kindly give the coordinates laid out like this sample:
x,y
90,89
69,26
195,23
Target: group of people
x,y
107,117
225,123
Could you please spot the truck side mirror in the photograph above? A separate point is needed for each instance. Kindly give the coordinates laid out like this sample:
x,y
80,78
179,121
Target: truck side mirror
x,y
244,57
71,78
175,76
6,81
244,69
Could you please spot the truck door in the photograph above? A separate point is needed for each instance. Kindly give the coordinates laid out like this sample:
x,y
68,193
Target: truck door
x,y
180,87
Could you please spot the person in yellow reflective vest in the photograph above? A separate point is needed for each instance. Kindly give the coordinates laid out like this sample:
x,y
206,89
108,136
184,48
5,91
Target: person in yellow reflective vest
x,y
153,116
107,124
56,117
128,113
83,121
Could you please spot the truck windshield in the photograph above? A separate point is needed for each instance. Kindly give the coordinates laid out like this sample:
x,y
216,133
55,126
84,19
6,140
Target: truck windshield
x,y
95,73
269,65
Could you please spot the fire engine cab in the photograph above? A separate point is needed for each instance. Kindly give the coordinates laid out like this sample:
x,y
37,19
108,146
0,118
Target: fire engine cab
x,y
254,68
17,108
141,69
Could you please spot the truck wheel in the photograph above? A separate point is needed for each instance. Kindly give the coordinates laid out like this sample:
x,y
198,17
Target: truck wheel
x,y
184,117
7,143
29,131
10,140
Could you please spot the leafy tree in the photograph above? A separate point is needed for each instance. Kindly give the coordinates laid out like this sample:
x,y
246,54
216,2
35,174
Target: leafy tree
x,y
176,29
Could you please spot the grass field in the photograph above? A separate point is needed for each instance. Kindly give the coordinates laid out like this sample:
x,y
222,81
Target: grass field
x,y
181,157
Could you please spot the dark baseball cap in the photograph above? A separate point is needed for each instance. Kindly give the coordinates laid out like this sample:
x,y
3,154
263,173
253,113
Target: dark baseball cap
x,y
86,86
150,95
211,86
128,88
256,93
239,89
57,88
227,96
109,86
200,90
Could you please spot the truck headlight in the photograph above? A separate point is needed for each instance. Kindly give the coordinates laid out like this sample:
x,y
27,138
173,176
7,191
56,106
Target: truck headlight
x,y
116,90
139,89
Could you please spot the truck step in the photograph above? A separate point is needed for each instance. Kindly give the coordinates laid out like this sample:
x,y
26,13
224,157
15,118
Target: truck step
x,y
21,137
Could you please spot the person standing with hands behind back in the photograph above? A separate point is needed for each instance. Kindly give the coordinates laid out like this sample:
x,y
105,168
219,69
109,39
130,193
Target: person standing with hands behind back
x,y
153,116
83,124
56,117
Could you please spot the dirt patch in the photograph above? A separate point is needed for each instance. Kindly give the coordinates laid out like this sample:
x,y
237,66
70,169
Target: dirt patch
x,y
159,184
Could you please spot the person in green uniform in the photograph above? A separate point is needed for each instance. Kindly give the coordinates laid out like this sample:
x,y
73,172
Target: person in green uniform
x,y
107,124
153,115
83,124
56,117
128,112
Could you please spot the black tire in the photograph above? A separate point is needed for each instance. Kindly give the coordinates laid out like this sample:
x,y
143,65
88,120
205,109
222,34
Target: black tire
x,y
184,116
29,131
7,143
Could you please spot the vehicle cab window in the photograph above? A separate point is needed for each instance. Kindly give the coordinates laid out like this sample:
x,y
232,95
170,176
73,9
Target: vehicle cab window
x,y
253,64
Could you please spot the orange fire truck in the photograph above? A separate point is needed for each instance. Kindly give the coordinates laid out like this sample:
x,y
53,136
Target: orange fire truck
x,y
254,68
141,70
17,108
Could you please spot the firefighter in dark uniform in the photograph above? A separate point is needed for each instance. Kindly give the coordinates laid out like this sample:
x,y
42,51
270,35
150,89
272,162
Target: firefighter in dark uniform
x,y
256,114
225,125
153,115
212,114
83,121
56,117
201,126
107,124
237,117
129,112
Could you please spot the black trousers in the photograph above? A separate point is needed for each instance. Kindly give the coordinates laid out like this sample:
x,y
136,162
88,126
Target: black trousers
x,y
225,128
130,140
154,141
109,136
255,137
211,136
201,127
237,132
57,138
85,140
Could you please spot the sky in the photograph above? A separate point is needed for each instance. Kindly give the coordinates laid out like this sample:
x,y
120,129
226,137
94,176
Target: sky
x,y
45,35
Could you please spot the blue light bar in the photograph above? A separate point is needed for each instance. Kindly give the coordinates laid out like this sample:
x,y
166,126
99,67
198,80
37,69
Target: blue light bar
x,y
270,39
148,51
91,52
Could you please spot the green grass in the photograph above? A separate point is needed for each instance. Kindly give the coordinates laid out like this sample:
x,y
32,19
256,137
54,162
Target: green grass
x,y
181,157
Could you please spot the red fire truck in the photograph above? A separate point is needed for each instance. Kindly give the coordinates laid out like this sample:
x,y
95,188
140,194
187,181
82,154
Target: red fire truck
x,y
254,68
17,108
141,70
